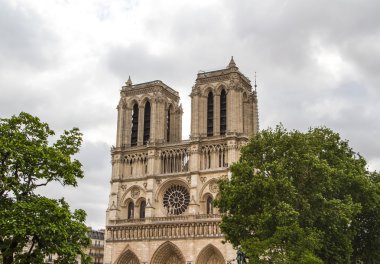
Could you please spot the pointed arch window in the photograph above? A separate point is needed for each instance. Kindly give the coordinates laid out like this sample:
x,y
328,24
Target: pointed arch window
x,y
131,209
223,112
146,123
210,206
142,209
210,114
135,124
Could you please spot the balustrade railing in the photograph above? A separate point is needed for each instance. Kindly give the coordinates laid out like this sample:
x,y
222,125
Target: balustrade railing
x,y
166,219
165,230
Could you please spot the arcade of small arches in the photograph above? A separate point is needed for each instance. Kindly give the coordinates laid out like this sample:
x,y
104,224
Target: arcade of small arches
x,y
131,206
142,113
148,119
217,104
222,112
169,253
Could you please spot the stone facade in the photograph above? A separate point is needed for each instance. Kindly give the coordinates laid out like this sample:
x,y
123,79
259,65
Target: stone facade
x,y
162,187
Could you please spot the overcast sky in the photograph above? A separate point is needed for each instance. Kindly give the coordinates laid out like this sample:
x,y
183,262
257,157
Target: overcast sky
x,y
317,63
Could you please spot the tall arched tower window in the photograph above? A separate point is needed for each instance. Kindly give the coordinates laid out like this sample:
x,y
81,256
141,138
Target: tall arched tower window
x,y
146,123
142,209
210,207
168,125
131,208
210,114
135,124
223,112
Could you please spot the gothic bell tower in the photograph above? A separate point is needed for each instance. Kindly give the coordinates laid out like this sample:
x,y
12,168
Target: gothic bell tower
x,y
148,113
223,103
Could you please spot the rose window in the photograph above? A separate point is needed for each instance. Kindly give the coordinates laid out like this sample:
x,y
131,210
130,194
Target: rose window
x,y
176,200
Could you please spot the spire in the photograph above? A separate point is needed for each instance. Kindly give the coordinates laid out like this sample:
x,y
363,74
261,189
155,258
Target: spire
x,y
232,64
129,82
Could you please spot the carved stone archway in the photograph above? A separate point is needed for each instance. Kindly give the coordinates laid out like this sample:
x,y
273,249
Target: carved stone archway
x,y
168,253
210,255
128,257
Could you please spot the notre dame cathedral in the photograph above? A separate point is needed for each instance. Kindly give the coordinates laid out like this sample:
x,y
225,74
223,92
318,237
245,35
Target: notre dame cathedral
x,y
162,187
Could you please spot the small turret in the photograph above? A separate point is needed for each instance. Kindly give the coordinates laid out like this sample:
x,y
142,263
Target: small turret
x,y
232,64
129,82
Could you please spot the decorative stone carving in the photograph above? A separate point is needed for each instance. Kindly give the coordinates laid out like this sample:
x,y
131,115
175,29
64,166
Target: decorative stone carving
x,y
159,99
203,179
234,81
195,91
214,187
167,230
135,193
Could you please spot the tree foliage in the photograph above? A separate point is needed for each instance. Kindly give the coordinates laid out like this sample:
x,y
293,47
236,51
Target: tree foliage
x,y
302,198
33,226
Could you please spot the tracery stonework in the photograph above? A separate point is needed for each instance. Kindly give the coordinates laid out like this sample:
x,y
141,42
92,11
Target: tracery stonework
x,y
162,188
135,192
214,188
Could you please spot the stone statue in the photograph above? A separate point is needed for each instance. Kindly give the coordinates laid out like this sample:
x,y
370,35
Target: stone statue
x,y
240,256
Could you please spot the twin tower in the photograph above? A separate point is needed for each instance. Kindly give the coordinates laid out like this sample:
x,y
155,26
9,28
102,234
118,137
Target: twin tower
x,y
162,187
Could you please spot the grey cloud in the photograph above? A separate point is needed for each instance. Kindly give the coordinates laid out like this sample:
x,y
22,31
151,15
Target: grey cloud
x,y
137,61
25,40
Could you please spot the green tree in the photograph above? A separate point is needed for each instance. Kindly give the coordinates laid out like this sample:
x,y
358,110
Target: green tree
x,y
302,198
33,226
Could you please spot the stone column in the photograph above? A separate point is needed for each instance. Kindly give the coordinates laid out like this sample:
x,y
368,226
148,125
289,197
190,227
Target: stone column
x,y
229,111
241,114
203,116
140,135
151,162
173,125
217,115
159,121
179,118
194,114
149,209
232,151
127,120
194,164
153,127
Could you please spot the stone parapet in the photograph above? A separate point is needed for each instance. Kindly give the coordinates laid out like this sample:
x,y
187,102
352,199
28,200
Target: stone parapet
x,y
164,228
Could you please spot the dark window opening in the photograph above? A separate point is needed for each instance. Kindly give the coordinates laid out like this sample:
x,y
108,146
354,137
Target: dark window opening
x,y
131,208
135,124
142,209
146,123
210,207
223,112
208,159
210,114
